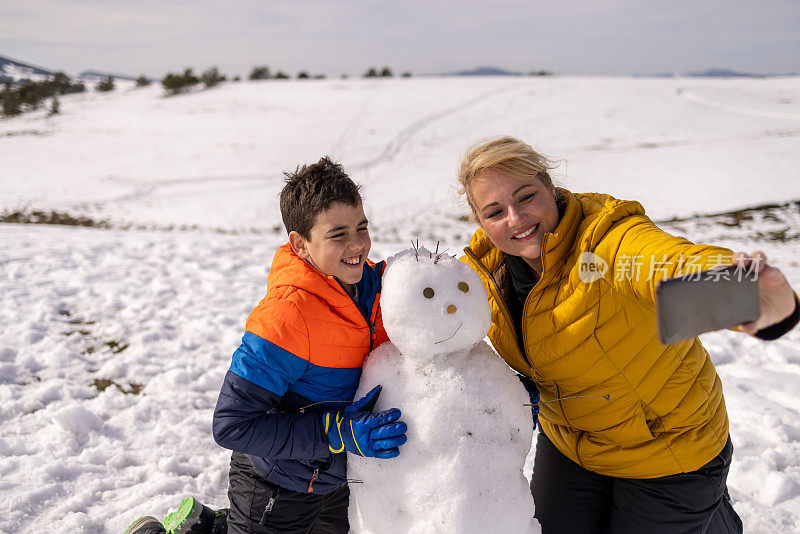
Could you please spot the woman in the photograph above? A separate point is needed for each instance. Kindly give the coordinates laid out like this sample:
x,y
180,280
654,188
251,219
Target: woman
x,y
634,434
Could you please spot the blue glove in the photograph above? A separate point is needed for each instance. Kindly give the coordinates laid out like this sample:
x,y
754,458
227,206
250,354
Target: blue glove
x,y
361,432
367,402
533,393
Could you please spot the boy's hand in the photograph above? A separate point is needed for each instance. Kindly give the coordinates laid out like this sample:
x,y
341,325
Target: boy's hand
x,y
377,435
367,434
366,403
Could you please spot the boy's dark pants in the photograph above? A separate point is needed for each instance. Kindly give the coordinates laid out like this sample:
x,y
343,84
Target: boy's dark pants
x,y
291,512
570,499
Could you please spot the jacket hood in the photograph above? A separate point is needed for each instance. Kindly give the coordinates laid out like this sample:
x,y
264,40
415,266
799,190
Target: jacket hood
x,y
289,270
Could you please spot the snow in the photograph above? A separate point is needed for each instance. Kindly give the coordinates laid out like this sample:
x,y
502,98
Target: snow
x,y
464,407
113,343
214,158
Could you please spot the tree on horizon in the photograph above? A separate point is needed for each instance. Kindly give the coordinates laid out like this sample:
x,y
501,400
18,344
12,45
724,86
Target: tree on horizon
x,y
105,85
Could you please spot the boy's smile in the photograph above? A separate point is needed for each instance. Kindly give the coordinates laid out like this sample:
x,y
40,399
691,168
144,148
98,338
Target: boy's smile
x,y
338,243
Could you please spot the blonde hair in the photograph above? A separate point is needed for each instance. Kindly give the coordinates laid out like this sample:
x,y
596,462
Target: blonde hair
x,y
508,155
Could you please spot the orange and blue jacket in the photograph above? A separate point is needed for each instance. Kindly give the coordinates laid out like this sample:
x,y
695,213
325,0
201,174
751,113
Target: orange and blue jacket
x,y
301,355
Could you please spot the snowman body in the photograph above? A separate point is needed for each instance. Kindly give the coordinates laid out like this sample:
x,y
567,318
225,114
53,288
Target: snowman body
x,y
469,431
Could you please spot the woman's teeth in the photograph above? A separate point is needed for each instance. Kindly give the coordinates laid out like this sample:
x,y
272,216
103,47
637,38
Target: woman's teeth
x,y
526,233
352,261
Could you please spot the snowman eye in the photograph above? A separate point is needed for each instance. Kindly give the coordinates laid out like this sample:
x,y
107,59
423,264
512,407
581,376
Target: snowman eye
x,y
464,287
428,293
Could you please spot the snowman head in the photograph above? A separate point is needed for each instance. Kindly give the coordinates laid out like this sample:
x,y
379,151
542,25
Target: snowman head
x,y
433,304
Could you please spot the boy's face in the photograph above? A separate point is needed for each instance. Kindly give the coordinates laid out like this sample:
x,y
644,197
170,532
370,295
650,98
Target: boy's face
x,y
338,244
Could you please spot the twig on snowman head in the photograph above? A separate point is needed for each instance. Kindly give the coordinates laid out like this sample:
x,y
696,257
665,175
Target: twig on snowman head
x,y
416,248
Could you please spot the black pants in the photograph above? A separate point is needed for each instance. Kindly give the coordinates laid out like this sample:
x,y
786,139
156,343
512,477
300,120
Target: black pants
x,y
258,507
570,499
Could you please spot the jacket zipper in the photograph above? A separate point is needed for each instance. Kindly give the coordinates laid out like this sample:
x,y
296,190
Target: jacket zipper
x,y
528,298
313,478
273,496
370,325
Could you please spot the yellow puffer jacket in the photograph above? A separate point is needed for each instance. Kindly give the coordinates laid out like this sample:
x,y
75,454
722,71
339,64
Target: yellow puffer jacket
x,y
614,399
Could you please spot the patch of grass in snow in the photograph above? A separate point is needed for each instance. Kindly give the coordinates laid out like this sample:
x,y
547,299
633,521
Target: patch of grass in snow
x,y
82,328
113,345
63,218
766,222
18,133
79,326
51,217
132,388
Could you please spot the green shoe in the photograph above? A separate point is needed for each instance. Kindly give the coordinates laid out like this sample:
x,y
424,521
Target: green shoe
x,y
145,525
190,518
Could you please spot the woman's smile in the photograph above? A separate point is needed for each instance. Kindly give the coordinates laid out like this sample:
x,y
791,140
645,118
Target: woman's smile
x,y
528,233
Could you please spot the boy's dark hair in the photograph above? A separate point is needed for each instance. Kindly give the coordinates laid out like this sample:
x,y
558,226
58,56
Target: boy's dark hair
x,y
310,190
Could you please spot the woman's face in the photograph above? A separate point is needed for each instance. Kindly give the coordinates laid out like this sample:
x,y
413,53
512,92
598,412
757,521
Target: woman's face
x,y
514,213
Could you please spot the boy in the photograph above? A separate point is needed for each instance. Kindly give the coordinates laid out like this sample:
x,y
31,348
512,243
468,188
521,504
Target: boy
x,y
285,407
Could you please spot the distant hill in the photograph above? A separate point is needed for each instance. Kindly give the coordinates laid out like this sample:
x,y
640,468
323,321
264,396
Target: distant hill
x,y
714,73
484,71
722,73
13,71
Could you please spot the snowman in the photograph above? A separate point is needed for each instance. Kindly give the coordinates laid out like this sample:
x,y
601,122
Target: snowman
x,y
469,430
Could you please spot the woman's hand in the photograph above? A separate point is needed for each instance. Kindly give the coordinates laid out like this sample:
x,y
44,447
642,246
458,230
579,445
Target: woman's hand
x,y
776,298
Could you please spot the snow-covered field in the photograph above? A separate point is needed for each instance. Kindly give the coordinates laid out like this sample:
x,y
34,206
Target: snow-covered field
x,y
113,343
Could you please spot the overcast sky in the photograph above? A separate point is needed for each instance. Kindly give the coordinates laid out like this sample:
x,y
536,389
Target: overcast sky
x,y
428,36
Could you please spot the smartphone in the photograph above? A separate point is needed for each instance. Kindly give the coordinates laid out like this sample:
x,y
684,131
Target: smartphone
x,y
689,305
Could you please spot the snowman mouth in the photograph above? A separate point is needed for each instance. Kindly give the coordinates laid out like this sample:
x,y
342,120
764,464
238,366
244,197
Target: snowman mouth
x,y
451,337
